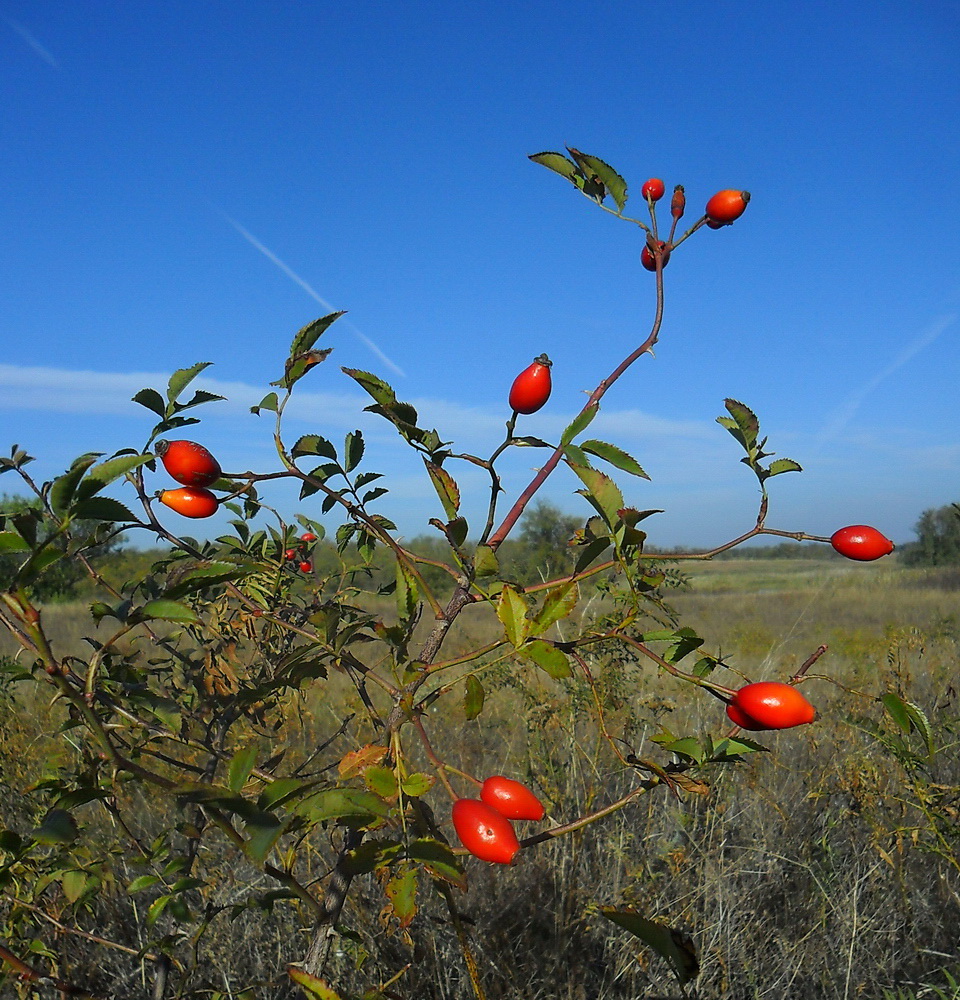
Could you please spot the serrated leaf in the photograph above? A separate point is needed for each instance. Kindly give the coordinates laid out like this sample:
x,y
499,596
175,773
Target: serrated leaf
x,y
382,781
579,423
211,575
350,805
559,164
438,859
512,611
783,465
169,611
107,472
308,335
240,767
63,489
181,378
688,746
281,791
446,488
670,944
415,785
102,509
407,592
357,761
615,456
528,441
152,400
742,423
314,444
602,492
590,552
199,396
550,659
473,697
611,180
353,448
401,890
558,604
141,883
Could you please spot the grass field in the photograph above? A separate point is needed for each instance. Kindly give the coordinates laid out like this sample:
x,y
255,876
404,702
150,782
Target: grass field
x,y
826,870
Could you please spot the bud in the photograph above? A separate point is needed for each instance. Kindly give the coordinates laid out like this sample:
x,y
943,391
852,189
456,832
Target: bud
x,y
679,202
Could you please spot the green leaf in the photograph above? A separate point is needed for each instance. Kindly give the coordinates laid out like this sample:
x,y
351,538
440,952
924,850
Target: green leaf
x,y
688,746
152,400
406,593
602,492
742,424
473,697
415,785
615,456
401,890
102,509
200,396
550,659
63,489
170,611
438,859
382,781
593,184
181,378
212,575
580,423
57,827
73,883
156,909
351,806
352,451
144,882
107,472
558,604
559,164
269,402
446,488
11,541
612,181
263,830
671,944
512,611
313,444
307,336
240,767
485,562
783,465
312,985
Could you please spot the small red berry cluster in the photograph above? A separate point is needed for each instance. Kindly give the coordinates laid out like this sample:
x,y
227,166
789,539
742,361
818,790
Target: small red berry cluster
x,y
301,554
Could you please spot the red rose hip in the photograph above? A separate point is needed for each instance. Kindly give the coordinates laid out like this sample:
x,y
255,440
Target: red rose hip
x,y
484,832
511,798
861,542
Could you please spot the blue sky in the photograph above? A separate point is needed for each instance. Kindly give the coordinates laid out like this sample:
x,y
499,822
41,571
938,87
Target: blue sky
x,y
179,182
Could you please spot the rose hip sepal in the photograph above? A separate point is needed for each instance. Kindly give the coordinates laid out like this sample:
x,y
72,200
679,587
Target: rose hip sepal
x,y
188,462
484,832
771,705
511,799
861,542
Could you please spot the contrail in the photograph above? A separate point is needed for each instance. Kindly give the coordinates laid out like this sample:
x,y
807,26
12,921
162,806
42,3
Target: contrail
x,y
845,414
28,37
293,276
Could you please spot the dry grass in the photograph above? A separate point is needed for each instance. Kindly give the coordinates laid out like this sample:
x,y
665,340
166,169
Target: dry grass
x,y
816,872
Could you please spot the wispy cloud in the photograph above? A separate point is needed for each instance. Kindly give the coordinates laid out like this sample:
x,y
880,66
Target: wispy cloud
x,y
842,417
293,276
44,53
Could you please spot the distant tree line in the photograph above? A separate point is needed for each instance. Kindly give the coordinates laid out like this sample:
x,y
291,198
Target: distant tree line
x,y
938,538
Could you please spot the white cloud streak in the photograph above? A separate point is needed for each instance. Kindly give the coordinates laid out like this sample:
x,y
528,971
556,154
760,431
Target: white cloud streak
x,y
44,53
294,277
842,417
